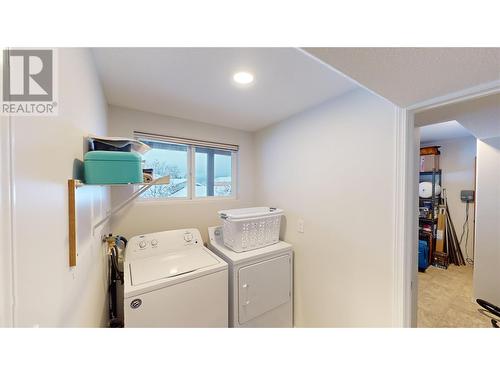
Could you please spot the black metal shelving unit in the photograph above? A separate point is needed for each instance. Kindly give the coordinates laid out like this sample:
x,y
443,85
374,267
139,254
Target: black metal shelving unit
x,y
432,203
435,177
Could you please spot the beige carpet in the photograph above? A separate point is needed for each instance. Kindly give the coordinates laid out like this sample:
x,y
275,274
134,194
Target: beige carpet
x,y
445,299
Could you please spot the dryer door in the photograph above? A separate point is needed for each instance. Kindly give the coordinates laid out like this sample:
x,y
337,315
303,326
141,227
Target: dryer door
x,y
263,286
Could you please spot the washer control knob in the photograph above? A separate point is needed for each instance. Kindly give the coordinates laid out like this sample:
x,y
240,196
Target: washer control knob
x,y
188,236
154,242
142,244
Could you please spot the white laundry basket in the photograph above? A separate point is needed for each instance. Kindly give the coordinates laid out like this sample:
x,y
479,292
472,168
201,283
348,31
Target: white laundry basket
x,y
250,228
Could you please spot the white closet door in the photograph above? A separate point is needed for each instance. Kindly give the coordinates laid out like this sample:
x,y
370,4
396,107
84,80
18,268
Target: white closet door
x,y
263,286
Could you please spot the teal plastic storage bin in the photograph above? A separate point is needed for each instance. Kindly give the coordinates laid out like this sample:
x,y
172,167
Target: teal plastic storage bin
x,y
112,167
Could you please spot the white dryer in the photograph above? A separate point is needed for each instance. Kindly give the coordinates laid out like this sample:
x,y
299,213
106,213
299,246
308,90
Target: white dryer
x,y
260,283
172,280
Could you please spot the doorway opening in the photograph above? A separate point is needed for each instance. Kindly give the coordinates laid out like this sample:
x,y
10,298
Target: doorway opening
x,y
447,184
478,111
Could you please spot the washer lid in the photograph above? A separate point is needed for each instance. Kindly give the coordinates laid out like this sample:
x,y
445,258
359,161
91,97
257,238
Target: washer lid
x,y
170,264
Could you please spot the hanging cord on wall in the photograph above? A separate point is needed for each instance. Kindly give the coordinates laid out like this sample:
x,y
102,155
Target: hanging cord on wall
x,y
115,276
465,231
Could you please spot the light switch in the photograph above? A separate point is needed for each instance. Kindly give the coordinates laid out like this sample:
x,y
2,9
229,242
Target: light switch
x,y
300,226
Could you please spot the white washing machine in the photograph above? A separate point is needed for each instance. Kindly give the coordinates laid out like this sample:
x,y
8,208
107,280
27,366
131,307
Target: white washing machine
x,y
172,280
260,283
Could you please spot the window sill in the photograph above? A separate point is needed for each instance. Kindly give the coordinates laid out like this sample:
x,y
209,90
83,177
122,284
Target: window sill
x,y
170,201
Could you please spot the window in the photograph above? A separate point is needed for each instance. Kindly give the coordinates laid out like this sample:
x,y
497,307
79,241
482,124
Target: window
x,y
197,169
167,159
213,172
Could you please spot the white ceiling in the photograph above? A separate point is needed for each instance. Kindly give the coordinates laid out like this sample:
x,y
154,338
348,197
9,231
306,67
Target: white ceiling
x,y
481,116
442,132
407,76
196,83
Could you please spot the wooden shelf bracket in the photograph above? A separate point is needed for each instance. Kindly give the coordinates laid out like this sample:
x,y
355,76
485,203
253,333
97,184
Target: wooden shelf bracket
x,y
74,184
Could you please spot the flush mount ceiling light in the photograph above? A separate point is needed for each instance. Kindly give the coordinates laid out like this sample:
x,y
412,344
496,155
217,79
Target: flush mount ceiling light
x,y
243,78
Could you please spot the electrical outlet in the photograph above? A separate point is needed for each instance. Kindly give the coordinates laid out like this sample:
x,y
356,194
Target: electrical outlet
x,y
300,226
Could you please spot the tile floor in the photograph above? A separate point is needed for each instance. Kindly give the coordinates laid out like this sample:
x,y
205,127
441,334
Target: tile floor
x,y
445,299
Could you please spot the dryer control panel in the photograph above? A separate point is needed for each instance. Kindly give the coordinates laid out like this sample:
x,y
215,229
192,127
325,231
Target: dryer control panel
x,y
146,245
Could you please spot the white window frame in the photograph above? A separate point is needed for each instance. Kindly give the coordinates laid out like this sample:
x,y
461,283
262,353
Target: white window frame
x,y
191,165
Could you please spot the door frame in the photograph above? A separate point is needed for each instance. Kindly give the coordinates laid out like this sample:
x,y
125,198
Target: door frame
x,y
6,224
406,202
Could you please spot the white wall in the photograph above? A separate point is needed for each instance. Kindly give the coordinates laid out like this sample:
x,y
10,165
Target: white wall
x,y
152,216
333,166
47,291
457,162
487,264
